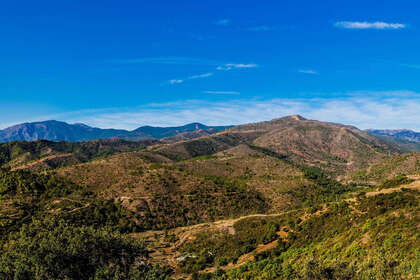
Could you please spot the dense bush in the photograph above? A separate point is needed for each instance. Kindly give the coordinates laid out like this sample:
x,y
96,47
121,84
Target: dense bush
x,y
54,250
103,213
220,248
382,203
396,181
22,182
324,188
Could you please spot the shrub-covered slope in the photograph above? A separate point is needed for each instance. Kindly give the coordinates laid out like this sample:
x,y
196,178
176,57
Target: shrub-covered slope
x,y
405,164
49,155
337,149
258,201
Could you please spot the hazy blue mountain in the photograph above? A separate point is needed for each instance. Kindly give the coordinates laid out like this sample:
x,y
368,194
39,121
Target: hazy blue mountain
x,y
61,131
162,132
405,134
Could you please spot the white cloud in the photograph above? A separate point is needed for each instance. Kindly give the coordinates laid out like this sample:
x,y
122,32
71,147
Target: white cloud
x,y
394,109
222,92
176,81
223,22
205,75
224,67
311,72
369,25
230,66
193,77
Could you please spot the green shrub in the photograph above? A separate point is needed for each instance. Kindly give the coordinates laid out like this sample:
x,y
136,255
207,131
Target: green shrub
x,y
396,181
53,249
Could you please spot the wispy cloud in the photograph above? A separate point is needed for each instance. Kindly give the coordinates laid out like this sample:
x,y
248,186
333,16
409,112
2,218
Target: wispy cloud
x,y
223,22
205,75
176,81
369,25
393,109
224,67
221,92
183,61
230,66
413,66
311,72
261,28
193,77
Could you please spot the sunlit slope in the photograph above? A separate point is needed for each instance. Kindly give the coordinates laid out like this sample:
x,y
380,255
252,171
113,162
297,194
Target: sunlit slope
x,y
337,149
405,164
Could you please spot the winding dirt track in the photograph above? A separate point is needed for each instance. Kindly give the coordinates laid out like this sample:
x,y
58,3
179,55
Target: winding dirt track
x,y
168,254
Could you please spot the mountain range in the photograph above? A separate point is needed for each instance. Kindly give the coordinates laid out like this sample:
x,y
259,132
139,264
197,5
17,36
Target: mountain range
x,y
61,131
53,130
405,134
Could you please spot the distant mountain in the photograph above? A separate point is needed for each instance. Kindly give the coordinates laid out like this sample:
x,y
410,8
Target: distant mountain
x,y
406,134
60,131
56,131
191,130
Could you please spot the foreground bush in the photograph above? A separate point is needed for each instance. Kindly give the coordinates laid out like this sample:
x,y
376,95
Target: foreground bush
x,y
55,250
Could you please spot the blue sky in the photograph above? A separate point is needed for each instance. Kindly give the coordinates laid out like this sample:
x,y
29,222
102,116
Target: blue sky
x,y
128,63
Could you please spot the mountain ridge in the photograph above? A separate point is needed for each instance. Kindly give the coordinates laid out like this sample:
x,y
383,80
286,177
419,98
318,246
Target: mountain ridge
x,y
61,131
334,147
405,134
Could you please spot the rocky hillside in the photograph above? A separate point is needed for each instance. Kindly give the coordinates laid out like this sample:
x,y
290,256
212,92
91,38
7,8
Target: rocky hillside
x,y
336,148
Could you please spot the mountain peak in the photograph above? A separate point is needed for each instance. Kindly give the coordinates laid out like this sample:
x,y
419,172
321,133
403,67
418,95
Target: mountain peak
x,y
82,125
292,117
47,122
297,118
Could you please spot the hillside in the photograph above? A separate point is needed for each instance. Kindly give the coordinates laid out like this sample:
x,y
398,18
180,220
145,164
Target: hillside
x,y
142,180
335,148
405,164
61,131
44,154
289,198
